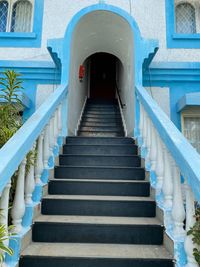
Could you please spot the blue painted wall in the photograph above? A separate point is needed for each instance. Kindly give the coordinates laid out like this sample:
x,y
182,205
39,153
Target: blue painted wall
x,y
181,78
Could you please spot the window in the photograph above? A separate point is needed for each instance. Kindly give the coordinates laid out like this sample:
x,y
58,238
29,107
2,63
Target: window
x,y
183,24
16,16
191,130
185,19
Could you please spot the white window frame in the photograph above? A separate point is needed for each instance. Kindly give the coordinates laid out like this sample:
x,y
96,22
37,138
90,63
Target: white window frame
x,y
190,112
11,3
196,5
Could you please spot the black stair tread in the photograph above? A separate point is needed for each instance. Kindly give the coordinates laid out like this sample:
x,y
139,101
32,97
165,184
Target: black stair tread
x,y
99,140
100,167
100,156
100,145
109,251
97,233
100,188
96,129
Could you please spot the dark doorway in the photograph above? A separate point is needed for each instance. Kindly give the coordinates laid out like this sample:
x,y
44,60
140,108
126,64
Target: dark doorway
x,y
103,75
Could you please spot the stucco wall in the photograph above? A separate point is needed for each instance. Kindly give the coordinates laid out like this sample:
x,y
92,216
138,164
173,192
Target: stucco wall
x,y
149,14
162,96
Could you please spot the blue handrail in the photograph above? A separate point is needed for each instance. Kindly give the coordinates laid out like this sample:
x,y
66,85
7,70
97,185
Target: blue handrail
x,y
15,150
186,157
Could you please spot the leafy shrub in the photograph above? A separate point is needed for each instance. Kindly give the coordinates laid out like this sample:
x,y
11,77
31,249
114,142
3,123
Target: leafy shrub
x,y
10,119
195,232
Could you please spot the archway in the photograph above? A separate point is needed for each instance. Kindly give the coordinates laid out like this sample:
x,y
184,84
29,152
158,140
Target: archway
x,y
105,39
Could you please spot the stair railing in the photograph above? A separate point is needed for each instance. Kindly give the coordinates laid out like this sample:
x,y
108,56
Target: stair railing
x,y
42,133
174,167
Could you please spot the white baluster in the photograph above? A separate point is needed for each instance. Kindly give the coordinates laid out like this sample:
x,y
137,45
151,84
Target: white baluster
x,y
141,119
167,187
153,150
190,221
159,164
178,211
39,161
46,151
59,120
4,204
149,139
144,136
56,128
30,180
51,135
18,208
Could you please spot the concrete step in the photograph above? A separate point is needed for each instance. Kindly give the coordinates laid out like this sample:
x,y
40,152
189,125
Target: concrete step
x,y
101,120
112,149
103,172
91,230
101,129
98,206
101,112
100,160
101,116
99,140
101,124
98,187
95,255
100,134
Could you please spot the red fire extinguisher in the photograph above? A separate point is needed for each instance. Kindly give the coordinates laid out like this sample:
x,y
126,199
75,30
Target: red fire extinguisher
x,y
81,73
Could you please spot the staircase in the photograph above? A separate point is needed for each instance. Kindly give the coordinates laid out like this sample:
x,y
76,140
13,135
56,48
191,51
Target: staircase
x,y
98,212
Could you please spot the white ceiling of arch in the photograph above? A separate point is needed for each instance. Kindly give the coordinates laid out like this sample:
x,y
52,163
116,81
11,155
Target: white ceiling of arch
x,y
103,31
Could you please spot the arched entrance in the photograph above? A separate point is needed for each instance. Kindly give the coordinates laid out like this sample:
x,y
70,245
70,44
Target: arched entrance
x,y
103,42
102,28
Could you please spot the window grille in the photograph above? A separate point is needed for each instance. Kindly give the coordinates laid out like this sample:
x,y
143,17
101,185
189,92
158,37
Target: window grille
x,y
3,15
192,131
16,15
21,17
185,19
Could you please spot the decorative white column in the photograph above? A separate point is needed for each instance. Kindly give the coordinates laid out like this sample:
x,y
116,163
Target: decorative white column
x,y
18,208
153,150
56,128
30,181
149,140
59,120
39,161
167,187
141,120
190,221
144,127
4,207
178,211
51,135
46,151
159,164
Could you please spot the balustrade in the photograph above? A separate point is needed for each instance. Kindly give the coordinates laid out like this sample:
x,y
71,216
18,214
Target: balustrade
x,y
22,172
178,212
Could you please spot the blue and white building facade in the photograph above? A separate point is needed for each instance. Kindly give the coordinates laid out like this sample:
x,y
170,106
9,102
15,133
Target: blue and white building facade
x,y
157,44
27,26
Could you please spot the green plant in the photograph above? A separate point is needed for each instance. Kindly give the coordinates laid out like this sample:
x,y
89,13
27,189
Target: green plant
x,y
10,119
5,235
195,233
